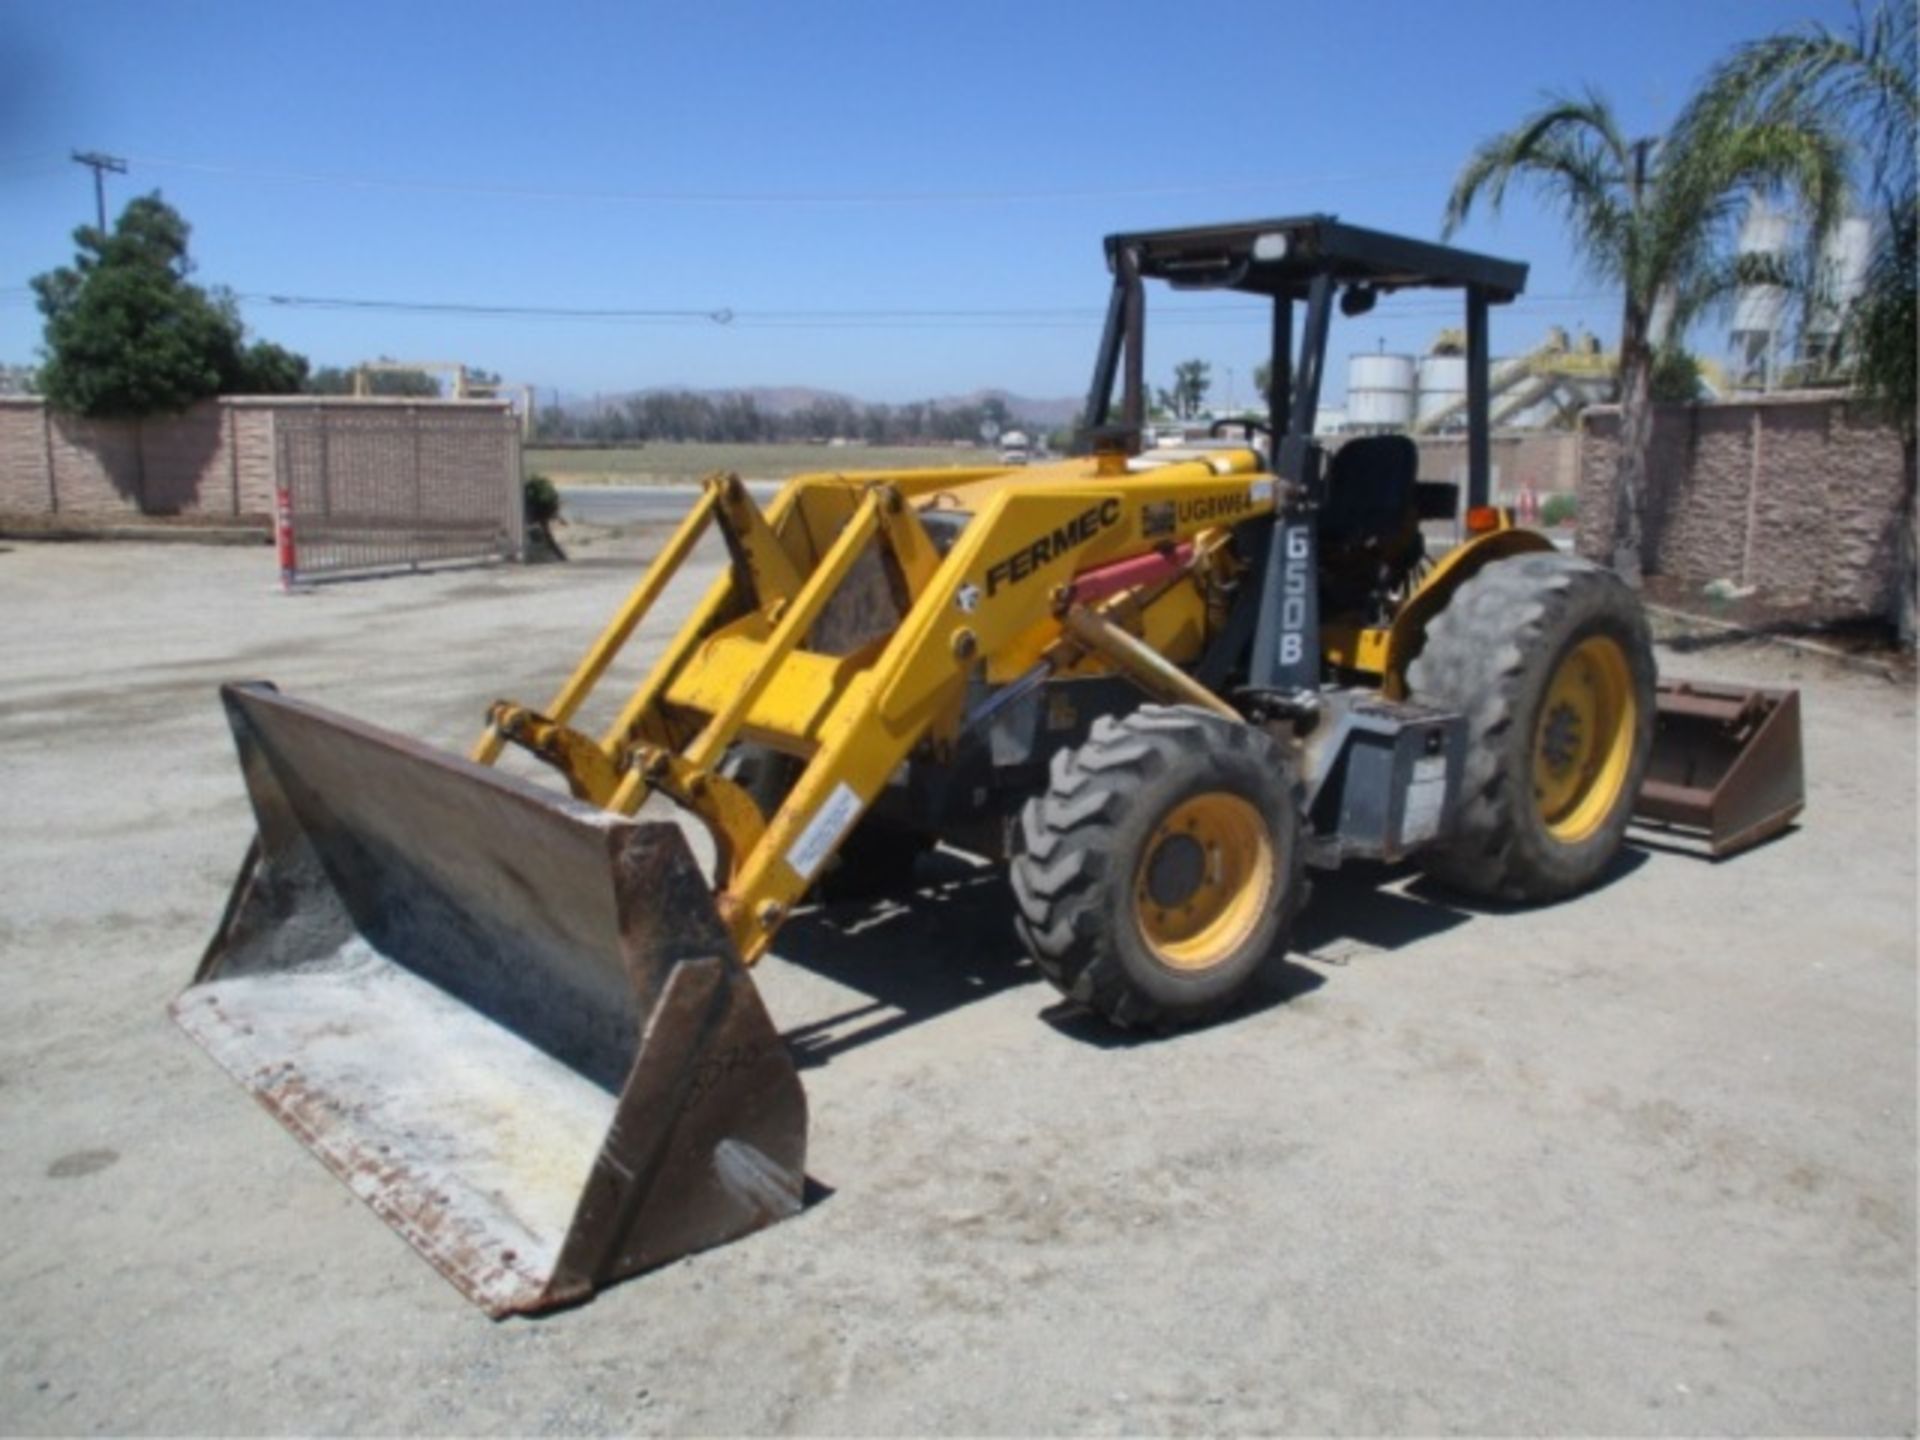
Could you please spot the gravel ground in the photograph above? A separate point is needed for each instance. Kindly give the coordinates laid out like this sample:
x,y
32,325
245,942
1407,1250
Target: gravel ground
x,y
1641,1163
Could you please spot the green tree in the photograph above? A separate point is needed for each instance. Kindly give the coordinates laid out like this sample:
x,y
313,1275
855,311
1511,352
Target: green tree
x,y
1864,84
1191,381
1676,376
269,369
1657,218
402,384
127,333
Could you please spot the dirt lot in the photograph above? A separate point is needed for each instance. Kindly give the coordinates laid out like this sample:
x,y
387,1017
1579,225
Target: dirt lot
x,y
1643,1163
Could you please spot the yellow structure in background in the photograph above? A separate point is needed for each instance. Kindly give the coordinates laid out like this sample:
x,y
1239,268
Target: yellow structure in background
x,y
463,384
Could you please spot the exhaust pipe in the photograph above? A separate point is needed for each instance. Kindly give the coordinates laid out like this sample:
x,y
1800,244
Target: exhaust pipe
x,y
511,1022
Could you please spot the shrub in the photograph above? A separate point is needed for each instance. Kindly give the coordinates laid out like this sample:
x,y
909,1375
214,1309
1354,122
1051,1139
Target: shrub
x,y
541,499
1558,510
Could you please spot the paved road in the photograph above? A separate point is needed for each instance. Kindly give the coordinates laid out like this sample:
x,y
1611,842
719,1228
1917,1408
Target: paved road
x,y
637,504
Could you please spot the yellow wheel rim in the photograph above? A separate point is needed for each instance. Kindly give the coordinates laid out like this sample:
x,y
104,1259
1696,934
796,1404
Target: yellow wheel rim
x,y
1204,881
1583,739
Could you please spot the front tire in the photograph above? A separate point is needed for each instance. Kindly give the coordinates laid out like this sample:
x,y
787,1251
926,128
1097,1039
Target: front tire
x,y
1160,872
1551,661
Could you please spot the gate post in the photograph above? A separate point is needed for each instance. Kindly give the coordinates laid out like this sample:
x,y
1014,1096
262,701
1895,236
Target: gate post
x,y
283,540
516,493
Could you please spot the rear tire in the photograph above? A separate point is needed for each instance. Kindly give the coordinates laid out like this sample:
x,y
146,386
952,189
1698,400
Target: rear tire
x,y
1551,661
1160,872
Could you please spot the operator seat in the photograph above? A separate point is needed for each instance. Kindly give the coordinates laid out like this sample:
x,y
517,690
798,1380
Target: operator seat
x,y
1370,537
1370,489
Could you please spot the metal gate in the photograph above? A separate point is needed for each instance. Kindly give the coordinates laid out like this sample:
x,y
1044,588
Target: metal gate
x,y
367,490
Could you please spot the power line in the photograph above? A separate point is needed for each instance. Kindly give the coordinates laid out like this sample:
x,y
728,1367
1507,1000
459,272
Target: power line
x,y
720,316
1252,323
869,318
819,198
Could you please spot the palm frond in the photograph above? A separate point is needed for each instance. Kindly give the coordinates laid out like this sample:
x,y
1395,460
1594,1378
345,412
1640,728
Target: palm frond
x,y
1860,87
1710,287
1865,83
1572,155
1883,324
1573,138
1705,174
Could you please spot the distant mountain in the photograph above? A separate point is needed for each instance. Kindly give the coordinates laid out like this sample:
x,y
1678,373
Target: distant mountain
x,y
786,399
772,399
1043,413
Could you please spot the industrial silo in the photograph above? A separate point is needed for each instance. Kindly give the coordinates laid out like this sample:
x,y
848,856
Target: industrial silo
x,y
1443,388
1844,258
1760,311
1379,392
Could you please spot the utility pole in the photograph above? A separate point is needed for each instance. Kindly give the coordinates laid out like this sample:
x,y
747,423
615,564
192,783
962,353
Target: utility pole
x,y
1642,151
95,161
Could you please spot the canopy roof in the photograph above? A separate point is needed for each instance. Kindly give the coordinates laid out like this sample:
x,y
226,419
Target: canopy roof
x,y
1276,257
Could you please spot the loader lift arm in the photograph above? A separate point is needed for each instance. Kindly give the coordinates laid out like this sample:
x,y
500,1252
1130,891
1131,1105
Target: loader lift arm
x,y
742,664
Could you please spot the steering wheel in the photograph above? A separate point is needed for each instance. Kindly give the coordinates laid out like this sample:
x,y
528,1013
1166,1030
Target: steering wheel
x,y
1249,428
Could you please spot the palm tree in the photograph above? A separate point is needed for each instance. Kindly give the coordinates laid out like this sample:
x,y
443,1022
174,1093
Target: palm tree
x,y
1656,217
1864,85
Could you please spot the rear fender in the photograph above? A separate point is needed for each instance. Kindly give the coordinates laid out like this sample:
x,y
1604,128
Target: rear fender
x,y
1408,632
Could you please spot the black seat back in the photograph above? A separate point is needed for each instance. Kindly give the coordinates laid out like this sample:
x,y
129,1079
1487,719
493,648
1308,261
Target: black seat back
x,y
1370,488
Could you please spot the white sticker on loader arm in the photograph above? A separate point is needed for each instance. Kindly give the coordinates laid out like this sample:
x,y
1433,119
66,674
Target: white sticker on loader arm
x,y
823,832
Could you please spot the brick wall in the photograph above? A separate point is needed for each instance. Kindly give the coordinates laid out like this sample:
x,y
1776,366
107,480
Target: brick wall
x,y
252,479
216,459
26,481
1546,462
1798,495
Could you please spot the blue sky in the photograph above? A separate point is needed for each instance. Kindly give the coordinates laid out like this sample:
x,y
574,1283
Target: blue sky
x,y
797,158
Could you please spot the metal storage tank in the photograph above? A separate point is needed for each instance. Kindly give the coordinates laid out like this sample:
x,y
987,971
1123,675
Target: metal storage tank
x,y
1443,383
1380,392
1758,310
1844,259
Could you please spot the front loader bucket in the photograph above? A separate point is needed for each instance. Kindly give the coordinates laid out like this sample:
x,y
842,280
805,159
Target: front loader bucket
x,y
512,1023
1726,763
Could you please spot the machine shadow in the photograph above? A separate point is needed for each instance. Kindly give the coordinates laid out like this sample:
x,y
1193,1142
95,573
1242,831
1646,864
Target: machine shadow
x,y
1872,641
1630,857
950,942
947,943
1649,838
1349,910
